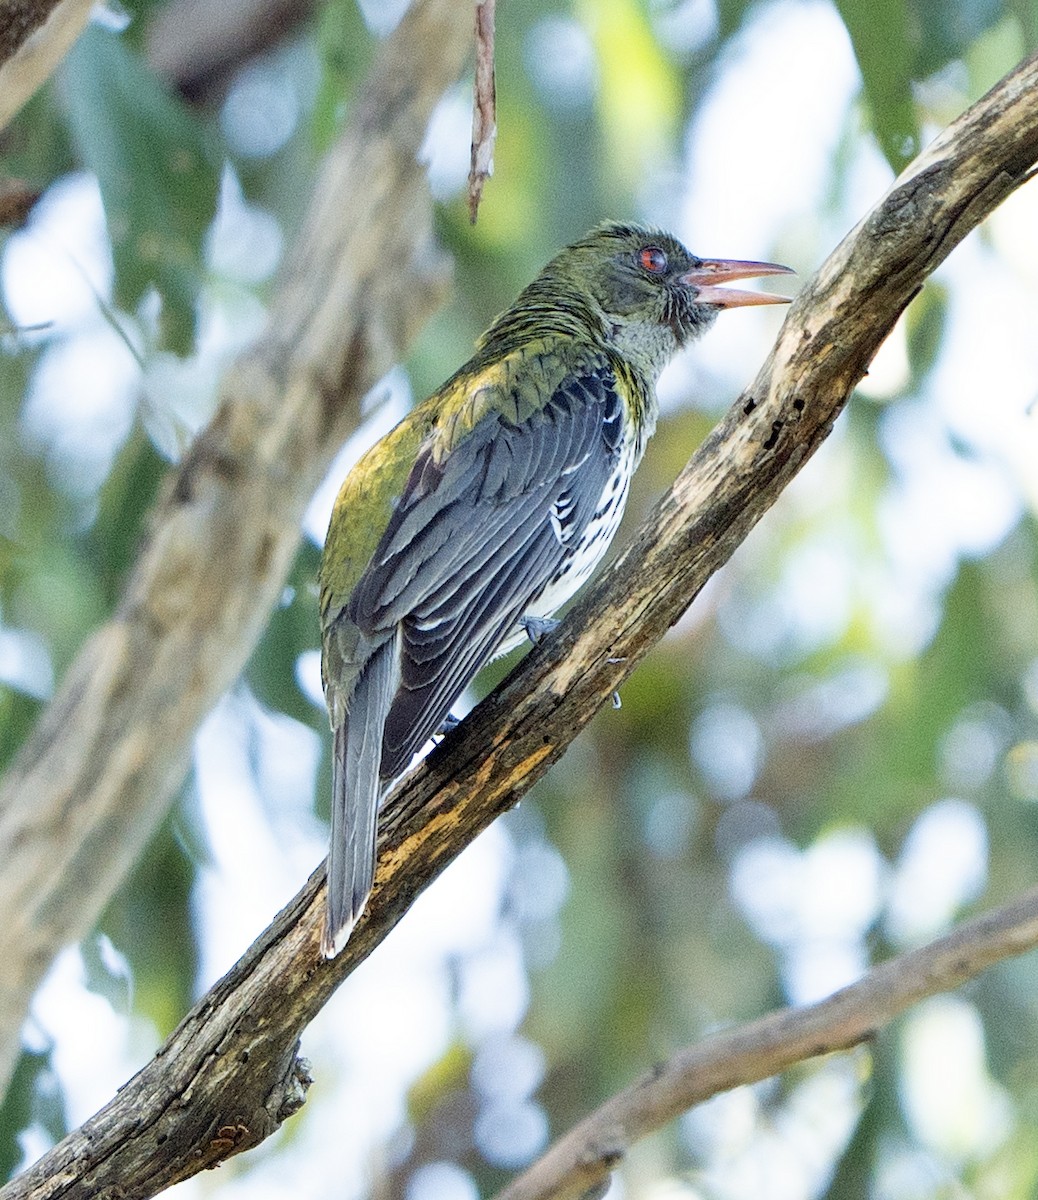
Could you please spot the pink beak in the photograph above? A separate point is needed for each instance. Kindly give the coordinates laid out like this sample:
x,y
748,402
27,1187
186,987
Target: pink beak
x,y
712,271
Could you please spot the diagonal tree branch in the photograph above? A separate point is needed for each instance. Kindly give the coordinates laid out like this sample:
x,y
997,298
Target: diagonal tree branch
x,y
229,1073
583,1159
91,784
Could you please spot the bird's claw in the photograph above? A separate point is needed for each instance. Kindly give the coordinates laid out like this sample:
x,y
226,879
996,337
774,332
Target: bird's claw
x,y
536,628
617,702
449,722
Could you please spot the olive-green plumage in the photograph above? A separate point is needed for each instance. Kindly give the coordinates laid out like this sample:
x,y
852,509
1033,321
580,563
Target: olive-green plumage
x,y
491,503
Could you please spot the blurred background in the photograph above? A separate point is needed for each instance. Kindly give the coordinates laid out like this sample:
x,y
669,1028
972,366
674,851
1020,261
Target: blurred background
x,y
832,758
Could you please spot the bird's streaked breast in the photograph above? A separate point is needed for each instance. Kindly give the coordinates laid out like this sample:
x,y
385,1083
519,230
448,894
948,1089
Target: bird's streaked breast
x,y
586,551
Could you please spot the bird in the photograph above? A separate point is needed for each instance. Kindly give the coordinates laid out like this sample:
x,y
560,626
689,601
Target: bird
x,y
459,533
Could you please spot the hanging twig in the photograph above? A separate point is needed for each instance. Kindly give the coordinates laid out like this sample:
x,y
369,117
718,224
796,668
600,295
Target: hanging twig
x,y
484,107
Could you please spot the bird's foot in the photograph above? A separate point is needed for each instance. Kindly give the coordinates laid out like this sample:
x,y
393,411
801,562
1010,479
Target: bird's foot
x,y
617,702
449,722
537,628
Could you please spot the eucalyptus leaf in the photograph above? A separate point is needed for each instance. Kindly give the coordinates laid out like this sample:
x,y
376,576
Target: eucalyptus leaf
x,y
883,35
158,173
34,1097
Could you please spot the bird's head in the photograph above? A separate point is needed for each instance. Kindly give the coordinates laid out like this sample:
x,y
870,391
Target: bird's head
x,y
650,294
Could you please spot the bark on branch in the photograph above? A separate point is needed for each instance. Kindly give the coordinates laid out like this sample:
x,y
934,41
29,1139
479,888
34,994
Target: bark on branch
x,y
229,1073
35,35
89,787
585,1157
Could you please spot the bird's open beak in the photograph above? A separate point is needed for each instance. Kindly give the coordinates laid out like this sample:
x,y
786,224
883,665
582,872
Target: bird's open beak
x,y
712,271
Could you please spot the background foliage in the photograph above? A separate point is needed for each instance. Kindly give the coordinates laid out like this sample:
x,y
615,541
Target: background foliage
x,y
832,758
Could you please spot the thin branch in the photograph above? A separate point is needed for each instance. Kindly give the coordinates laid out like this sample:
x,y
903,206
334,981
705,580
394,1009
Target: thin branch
x,y
583,1159
16,201
91,784
228,1074
484,107
197,45
35,35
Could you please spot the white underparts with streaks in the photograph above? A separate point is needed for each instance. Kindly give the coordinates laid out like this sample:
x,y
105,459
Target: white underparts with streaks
x,y
579,564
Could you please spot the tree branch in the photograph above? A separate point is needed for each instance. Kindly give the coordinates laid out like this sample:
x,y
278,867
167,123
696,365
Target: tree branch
x,y
89,787
584,1157
228,1074
35,35
197,45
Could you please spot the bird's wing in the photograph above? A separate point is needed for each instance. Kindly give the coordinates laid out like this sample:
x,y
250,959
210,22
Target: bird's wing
x,y
356,756
476,535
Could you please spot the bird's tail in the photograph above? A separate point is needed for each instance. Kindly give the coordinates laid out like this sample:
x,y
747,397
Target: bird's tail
x,y
356,759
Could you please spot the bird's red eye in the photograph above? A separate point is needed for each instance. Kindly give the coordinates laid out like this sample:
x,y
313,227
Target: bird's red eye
x,y
653,259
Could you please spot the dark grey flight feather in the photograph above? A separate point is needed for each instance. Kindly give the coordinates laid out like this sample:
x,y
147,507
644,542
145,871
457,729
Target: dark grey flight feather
x,y
472,543
356,784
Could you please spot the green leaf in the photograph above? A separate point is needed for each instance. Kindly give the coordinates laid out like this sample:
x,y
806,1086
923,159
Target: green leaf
x,y
881,33
149,921
345,48
730,16
897,42
36,143
158,175
1026,13
293,629
927,318
947,31
124,503
18,713
33,1097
